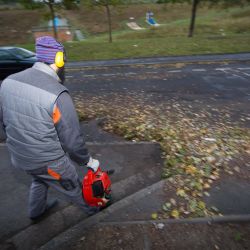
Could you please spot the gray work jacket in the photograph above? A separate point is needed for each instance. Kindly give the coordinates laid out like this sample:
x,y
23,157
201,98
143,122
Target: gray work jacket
x,y
28,100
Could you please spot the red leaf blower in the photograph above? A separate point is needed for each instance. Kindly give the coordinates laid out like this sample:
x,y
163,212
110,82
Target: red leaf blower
x,y
96,187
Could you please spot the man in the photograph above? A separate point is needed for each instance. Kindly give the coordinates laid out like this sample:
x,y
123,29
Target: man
x,y
42,129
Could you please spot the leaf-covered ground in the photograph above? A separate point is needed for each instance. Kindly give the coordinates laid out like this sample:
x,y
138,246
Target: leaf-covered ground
x,y
199,142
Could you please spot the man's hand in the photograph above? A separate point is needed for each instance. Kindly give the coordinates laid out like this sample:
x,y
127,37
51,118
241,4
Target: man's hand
x,y
104,202
93,164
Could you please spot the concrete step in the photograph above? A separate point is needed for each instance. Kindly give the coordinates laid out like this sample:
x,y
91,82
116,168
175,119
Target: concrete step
x,y
72,236
127,225
93,132
137,165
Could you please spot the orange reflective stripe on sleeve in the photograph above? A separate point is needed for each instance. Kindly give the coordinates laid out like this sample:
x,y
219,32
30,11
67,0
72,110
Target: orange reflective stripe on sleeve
x,y
56,114
54,174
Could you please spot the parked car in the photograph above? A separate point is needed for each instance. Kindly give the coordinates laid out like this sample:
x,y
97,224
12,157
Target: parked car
x,y
14,59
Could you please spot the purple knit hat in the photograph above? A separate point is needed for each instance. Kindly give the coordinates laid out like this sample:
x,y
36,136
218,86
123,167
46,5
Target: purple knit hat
x,y
46,49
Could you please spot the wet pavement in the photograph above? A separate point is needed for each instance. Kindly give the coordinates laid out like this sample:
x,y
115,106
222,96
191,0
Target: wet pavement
x,y
137,165
204,86
163,236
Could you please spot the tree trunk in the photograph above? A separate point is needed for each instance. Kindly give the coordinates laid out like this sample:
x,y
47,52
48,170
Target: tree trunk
x,y
191,27
109,22
50,4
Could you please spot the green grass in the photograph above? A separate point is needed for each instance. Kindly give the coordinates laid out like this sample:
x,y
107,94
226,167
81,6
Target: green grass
x,y
94,50
216,31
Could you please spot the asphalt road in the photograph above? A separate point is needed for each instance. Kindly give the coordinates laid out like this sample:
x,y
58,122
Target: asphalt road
x,y
202,85
208,85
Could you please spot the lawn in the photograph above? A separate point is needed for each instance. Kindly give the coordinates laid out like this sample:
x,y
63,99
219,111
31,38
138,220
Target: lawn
x,y
218,30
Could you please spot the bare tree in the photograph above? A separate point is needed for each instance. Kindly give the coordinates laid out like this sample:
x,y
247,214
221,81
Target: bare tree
x,y
51,5
195,4
106,4
193,15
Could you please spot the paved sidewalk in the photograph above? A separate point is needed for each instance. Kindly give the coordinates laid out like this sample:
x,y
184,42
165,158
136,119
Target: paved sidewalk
x,y
127,224
162,236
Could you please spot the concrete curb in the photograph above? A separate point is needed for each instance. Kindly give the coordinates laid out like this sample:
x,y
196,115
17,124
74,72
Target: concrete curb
x,y
76,231
203,220
161,60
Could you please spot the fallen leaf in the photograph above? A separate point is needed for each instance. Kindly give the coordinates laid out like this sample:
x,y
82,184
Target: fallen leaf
x,y
173,201
190,169
154,216
175,213
201,205
206,186
181,192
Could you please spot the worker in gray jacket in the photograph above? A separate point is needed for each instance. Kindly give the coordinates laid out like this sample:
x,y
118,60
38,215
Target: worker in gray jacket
x,y
42,129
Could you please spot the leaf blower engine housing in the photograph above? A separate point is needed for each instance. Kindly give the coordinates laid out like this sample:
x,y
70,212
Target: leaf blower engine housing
x,y
95,187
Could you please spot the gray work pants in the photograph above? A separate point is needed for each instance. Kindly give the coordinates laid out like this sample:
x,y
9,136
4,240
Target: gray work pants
x,y
69,185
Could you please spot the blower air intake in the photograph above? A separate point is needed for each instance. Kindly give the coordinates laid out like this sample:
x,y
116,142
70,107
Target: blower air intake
x,y
96,187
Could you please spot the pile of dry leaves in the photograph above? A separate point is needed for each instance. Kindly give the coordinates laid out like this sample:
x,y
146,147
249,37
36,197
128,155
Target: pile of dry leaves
x,y
197,144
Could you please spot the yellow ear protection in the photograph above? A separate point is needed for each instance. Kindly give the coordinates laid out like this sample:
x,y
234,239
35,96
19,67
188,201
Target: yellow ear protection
x,y
59,59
